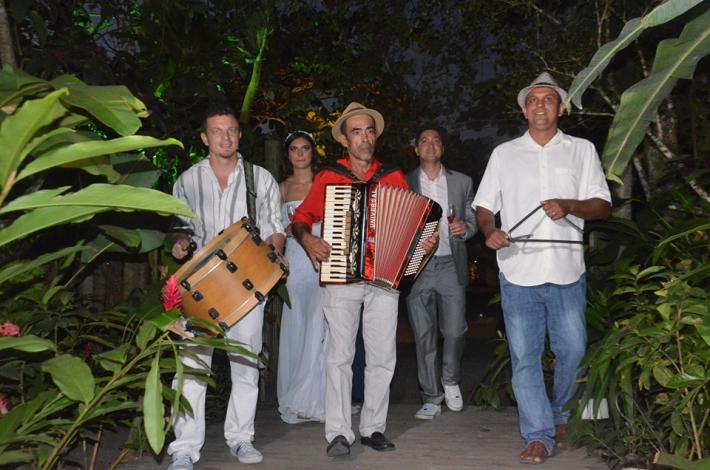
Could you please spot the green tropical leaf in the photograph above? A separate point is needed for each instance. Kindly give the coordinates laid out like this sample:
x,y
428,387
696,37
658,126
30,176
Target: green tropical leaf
x,y
16,83
135,170
696,225
18,129
46,217
682,380
109,407
83,205
153,408
631,30
681,463
115,106
14,456
127,237
72,376
86,150
113,360
20,267
704,332
163,320
27,343
107,197
675,58
145,334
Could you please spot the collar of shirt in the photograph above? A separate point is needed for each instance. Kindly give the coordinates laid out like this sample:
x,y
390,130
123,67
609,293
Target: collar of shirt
x,y
374,166
233,175
526,139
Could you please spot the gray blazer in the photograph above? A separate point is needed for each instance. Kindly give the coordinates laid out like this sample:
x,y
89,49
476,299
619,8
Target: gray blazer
x,y
460,191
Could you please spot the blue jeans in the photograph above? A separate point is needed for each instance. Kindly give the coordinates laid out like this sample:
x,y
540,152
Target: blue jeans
x,y
530,313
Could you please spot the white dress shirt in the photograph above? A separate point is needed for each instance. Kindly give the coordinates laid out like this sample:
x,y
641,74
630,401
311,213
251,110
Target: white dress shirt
x,y
520,174
438,191
217,209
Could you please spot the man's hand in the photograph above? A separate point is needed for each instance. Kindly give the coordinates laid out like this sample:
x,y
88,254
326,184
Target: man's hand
x,y
278,241
429,243
556,208
457,228
180,247
497,239
317,249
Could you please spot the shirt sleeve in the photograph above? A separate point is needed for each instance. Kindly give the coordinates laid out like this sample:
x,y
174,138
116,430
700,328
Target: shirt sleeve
x,y
310,210
469,215
182,223
269,202
594,184
488,194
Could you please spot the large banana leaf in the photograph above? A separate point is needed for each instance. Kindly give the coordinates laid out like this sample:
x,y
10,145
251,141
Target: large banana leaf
x,y
115,106
84,150
17,130
663,13
675,58
135,170
110,196
15,83
83,205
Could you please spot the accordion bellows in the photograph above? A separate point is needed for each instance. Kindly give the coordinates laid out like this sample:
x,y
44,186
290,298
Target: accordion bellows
x,y
374,232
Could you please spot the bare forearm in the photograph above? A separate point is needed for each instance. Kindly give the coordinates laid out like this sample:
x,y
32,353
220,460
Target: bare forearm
x,y
298,229
588,209
485,220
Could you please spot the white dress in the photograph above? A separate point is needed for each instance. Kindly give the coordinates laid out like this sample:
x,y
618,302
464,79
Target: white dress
x,y
301,366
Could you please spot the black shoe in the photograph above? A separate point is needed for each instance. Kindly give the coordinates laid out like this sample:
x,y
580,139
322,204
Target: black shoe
x,y
377,441
338,447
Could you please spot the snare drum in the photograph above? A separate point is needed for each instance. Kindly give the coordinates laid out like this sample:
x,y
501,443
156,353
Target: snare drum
x,y
229,276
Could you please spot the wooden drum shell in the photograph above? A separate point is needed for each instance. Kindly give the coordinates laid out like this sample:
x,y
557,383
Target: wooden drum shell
x,y
214,291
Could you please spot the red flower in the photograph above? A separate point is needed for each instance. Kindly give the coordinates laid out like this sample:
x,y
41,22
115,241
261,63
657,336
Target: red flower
x,y
171,294
3,404
9,329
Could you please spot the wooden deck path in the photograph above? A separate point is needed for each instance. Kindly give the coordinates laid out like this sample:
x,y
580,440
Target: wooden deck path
x,y
472,439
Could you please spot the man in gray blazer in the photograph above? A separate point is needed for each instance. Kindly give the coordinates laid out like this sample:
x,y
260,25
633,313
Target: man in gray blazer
x,y
438,297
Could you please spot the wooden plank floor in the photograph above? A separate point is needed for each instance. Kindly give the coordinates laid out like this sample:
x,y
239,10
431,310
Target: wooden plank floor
x,y
472,439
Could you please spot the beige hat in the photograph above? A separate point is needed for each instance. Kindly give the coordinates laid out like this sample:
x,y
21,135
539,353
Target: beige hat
x,y
544,80
355,109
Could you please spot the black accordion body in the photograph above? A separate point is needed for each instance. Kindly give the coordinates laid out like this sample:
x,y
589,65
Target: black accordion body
x,y
374,232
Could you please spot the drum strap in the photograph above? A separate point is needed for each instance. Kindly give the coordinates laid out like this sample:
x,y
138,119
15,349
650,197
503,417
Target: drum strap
x,y
344,171
251,190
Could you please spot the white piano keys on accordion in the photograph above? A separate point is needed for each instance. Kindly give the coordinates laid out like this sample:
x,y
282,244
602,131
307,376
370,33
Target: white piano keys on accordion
x,y
395,220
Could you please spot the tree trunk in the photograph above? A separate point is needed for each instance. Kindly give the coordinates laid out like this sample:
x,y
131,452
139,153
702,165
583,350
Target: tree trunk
x,y
7,51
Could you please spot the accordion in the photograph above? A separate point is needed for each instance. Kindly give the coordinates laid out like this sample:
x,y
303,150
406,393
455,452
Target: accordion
x,y
374,233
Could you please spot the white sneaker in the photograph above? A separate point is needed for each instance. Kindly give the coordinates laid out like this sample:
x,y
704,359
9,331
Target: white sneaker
x,y
428,411
246,453
180,462
452,397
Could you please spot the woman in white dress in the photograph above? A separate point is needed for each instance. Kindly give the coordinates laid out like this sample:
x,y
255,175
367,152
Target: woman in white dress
x,y
301,366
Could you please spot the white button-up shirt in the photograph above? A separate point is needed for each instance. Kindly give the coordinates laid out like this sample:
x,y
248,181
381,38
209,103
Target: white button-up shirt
x,y
438,191
217,209
520,174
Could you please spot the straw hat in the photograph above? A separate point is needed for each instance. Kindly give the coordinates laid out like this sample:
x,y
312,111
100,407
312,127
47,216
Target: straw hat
x,y
544,80
355,109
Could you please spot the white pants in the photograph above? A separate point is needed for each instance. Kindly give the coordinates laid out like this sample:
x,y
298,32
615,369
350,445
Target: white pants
x,y
239,422
379,328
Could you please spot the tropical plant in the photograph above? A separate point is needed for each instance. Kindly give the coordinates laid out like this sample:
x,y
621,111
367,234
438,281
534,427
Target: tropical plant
x,y
652,364
71,372
674,59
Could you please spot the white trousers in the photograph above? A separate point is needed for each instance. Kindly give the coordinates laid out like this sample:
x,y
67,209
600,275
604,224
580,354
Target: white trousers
x,y
239,421
379,328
